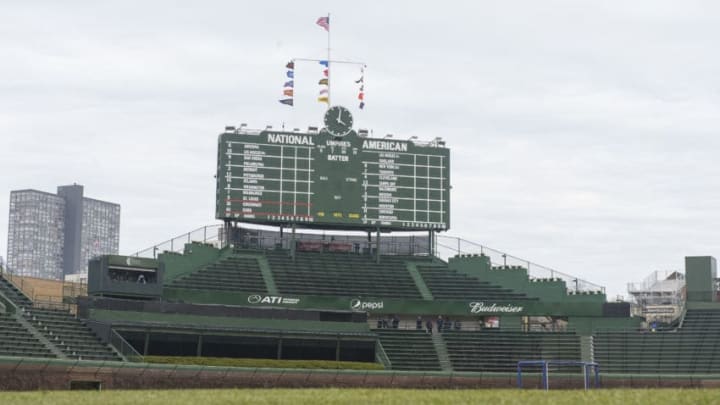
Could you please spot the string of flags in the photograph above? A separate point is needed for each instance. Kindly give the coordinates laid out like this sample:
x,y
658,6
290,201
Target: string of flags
x,y
324,82
323,96
361,90
289,86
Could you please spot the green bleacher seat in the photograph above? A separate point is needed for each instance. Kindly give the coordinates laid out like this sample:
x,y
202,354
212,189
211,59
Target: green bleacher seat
x,y
69,334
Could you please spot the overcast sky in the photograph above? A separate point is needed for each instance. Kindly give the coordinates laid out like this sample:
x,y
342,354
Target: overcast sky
x,y
584,135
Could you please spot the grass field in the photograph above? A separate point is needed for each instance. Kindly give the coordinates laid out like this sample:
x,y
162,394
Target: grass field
x,y
362,396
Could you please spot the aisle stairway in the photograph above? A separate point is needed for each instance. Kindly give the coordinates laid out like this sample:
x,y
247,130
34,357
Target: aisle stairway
x,y
69,334
29,334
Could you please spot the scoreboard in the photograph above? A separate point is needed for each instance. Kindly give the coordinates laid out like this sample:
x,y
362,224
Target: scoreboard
x,y
320,180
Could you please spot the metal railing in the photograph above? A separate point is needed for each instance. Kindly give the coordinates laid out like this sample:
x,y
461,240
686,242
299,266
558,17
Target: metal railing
x,y
448,246
205,234
382,356
257,238
445,248
19,283
125,348
52,302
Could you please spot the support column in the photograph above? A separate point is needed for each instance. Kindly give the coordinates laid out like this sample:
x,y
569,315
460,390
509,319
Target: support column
x,y
337,349
199,345
431,243
228,230
292,242
279,350
146,348
377,246
369,243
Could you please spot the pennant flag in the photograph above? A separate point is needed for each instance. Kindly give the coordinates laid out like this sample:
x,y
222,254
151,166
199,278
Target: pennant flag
x,y
361,96
290,74
324,63
362,105
291,83
290,65
288,92
360,80
323,81
362,88
287,101
324,22
324,91
323,100
326,72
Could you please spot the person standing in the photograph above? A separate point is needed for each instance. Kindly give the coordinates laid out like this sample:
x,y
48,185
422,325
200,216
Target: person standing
x,y
418,323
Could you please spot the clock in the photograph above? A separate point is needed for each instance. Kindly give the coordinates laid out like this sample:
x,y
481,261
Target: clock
x,y
338,121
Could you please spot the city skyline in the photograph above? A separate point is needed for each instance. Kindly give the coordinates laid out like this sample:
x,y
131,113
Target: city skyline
x,y
55,235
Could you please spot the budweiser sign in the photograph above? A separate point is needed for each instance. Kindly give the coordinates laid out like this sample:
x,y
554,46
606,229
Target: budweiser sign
x,y
480,307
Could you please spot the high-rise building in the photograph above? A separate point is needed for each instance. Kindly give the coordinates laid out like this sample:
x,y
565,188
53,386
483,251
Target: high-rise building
x,y
52,235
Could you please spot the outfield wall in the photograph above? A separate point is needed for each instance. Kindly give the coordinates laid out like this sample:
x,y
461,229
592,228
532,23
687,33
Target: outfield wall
x,y
21,374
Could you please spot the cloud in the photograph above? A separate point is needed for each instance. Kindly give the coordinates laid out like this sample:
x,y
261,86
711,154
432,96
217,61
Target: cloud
x,y
583,136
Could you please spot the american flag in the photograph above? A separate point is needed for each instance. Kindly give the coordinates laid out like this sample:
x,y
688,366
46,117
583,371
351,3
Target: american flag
x,y
324,22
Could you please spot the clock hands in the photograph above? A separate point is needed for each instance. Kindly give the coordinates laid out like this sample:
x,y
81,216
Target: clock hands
x,y
339,117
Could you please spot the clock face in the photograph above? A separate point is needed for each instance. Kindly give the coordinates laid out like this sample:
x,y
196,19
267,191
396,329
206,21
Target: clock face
x,y
338,121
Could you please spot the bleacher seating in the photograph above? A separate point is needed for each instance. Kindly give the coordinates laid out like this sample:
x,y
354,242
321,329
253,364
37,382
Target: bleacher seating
x,y
234,273
445,283
341,274
13,293
70,335
409,349
500,350
15,340
694,348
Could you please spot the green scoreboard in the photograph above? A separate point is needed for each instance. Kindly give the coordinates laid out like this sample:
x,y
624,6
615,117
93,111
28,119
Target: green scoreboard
x,y
321,180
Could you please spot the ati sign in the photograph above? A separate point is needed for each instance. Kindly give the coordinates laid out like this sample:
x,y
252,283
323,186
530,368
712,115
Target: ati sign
x,y
481,307
358,305
271,299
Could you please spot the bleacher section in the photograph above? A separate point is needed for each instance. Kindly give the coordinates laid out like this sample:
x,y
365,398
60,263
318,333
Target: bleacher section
x,y
694,348
71,336
234,273
498,350
409,349
13,293
341,274
15,340
445,283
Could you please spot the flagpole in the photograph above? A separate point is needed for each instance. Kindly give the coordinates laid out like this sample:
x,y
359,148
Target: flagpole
x,y
328,60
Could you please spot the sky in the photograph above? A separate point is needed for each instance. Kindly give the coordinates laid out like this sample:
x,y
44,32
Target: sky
x,y
584,136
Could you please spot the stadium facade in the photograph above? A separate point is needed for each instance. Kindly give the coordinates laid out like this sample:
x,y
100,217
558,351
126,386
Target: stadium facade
x,y
366,282
53,235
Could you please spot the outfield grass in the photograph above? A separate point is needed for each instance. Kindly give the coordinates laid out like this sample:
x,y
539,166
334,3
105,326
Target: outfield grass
x,y
363,396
